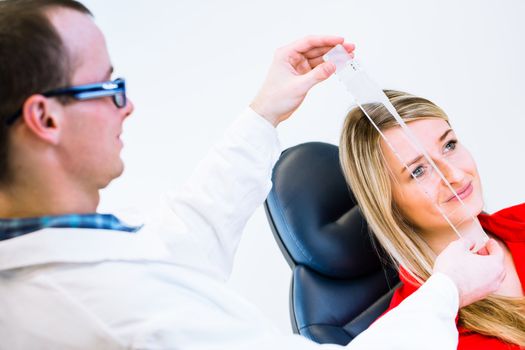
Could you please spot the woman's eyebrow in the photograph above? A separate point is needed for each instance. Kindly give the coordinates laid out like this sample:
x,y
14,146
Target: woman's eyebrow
x,y
418,158
442,137
415,160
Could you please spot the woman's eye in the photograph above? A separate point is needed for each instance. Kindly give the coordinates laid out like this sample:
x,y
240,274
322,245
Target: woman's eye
x,y
418,172
451,145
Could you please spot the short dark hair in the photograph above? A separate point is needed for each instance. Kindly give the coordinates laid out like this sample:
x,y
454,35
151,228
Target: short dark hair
x,y
33,59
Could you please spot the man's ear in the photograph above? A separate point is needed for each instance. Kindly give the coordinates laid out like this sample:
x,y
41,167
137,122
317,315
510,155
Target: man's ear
x,y
42,118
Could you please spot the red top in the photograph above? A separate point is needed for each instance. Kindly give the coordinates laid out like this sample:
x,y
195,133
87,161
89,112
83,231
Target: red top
x,y
508,225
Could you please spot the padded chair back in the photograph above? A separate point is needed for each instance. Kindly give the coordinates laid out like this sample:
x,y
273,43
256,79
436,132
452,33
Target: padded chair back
x,y
339,283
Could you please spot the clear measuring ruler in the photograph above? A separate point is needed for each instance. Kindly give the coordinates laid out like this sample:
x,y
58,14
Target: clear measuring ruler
x,y
369,96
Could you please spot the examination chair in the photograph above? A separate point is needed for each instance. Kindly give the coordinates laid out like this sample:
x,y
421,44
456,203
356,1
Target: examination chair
x,y
341,280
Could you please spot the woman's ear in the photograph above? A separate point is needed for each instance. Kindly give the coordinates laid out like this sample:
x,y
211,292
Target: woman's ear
x,y
42,118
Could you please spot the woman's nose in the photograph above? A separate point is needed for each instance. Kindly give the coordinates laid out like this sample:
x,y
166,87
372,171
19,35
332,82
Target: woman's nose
x,y
452,173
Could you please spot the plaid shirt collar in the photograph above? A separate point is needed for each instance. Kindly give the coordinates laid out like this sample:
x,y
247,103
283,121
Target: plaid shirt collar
x,y
10,228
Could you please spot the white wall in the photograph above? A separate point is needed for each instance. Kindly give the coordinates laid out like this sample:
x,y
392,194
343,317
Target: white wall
x,y
193,65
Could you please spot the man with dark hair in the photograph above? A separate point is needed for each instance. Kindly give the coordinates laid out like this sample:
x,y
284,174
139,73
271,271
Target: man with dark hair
x,y
71,278
30,66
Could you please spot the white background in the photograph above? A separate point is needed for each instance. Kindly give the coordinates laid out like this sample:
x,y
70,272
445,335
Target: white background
x,y
192,66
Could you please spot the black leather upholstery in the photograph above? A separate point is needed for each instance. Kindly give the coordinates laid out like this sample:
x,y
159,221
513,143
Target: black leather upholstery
x,y
339,283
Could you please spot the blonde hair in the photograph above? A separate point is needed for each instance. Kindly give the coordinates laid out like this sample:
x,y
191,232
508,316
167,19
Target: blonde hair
x,y
366,172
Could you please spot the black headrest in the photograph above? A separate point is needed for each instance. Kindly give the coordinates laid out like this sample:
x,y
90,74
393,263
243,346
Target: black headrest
x,y
322,227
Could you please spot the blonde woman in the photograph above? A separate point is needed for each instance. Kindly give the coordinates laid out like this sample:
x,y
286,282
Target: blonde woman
x,y
409,226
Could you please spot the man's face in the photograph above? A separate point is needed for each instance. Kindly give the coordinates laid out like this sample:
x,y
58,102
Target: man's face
x,y
90,145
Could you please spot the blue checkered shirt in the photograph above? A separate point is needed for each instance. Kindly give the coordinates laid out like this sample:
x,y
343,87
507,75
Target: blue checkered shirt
x,y
10,228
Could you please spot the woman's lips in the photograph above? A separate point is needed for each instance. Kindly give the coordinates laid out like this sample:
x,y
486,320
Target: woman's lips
x,y
463,192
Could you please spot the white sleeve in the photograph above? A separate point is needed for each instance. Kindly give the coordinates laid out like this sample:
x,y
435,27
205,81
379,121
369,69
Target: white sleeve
x,y
202,221
424,320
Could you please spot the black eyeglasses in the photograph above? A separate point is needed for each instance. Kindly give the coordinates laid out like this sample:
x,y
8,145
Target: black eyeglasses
x,y
115,88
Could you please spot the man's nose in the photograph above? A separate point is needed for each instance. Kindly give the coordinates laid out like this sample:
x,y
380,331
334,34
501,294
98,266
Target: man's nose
x,y
130,107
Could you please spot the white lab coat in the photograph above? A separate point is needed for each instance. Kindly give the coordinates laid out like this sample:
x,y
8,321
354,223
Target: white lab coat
x,y
164,287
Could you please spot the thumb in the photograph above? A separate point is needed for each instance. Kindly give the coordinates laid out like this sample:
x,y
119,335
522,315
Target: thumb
x,y
320,73
465,243
494,248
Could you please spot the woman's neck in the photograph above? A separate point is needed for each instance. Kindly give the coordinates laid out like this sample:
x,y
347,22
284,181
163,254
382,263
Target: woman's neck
x,y
440,238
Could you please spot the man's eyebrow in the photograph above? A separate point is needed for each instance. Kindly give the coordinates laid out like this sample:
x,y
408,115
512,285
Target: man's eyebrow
x,y
109,73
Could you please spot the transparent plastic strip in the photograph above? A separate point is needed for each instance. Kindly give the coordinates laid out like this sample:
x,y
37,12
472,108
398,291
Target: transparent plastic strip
x,y
365,92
